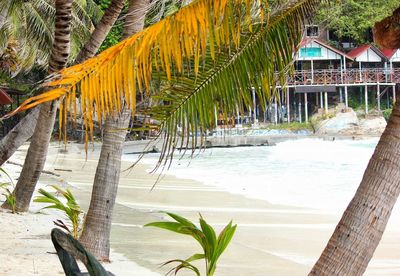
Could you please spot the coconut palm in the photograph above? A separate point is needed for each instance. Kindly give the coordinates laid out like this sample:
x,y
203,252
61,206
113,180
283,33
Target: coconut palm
x,y
30,23
36,155
185,44
97,229
28,26
58,60
360,229
228,74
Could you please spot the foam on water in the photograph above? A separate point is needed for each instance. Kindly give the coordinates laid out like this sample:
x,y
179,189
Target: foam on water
x,y
309,172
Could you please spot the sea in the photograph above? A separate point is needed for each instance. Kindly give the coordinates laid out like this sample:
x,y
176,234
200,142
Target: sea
x,y
310,172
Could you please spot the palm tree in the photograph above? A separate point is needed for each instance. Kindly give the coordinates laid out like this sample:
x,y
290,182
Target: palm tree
x,y
222,55
36,155
30,23
192,102
29,27
97,227
58,60
360,229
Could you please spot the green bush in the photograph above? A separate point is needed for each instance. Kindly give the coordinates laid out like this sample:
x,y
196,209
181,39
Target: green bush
x,y
386,113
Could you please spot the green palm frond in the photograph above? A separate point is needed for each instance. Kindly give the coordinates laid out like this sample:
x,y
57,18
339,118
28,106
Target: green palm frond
x,y
31,25
39,28
87,11
212,246
70,208
223,86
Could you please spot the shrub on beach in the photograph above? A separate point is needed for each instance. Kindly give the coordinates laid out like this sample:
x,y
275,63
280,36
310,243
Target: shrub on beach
x,y
9,196
71,209
212,245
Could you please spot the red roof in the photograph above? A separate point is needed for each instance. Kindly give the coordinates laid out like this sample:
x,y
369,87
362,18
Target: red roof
x,y
308,40
356,52
388,52
5,98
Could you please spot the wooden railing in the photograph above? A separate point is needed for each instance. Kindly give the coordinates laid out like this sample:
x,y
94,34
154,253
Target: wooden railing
x,y
350,76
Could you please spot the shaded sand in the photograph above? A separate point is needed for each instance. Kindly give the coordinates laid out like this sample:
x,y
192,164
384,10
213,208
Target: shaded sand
x,y
270,239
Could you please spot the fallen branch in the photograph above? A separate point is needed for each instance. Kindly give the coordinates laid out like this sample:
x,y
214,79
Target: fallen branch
x,y
43,171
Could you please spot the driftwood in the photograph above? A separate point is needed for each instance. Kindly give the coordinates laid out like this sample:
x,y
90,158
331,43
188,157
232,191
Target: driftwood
x,y
387,31
43,171
69,249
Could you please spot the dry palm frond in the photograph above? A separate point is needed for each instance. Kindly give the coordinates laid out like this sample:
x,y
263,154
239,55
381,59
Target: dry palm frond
x,y
176,45
191,105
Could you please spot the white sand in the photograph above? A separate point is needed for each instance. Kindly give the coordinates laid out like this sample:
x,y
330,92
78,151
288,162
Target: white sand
x,y
27,248
270,240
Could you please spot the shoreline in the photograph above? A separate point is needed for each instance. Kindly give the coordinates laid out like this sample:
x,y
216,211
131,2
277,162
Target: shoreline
x,y
232,141
272,237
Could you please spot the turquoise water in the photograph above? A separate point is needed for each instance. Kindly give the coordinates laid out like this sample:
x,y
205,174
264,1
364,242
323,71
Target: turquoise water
x,y
309,173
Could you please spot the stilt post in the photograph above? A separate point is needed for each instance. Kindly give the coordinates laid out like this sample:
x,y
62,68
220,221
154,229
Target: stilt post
x,y
300,119
326,102
366,99
306,107
288,105
378,96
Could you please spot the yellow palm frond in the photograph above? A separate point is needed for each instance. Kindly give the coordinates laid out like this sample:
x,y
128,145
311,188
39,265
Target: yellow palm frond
x,y
111,79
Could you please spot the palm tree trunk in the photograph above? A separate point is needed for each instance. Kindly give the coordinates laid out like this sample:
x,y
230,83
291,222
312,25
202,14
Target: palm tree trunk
x,y
96,230
18,135
101,31
360,229
134,20
24,129
36,156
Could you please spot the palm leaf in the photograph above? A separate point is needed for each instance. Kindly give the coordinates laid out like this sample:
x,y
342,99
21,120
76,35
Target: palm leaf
x,y
210,236
71,208
172,45
223,86
171,226
182,264
30,24
224,239
212,246
181,220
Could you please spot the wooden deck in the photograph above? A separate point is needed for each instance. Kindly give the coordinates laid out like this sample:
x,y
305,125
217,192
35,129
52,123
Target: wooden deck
x,y
349,77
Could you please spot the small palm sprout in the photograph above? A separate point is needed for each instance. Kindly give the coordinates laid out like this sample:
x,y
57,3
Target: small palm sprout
x,y
212,245
71,208
7,193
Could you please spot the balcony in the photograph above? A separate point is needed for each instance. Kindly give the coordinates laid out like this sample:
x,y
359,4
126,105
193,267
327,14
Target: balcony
x,y
341,77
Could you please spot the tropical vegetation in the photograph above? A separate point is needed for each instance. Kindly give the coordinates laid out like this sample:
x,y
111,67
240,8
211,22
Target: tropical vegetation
x,y
212,246
354,19
70,209
8,194
204,59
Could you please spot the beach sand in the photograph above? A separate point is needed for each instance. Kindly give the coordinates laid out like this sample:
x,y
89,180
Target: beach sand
x,y
270,239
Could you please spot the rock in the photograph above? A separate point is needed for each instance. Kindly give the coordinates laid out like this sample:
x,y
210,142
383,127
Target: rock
x,y
345,123
373,126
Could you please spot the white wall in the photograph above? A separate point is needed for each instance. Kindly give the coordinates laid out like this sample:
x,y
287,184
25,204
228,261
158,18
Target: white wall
x,y
396,56
369,56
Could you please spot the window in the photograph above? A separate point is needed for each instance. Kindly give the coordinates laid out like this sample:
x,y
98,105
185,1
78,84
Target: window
x,y
312,31
310,52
